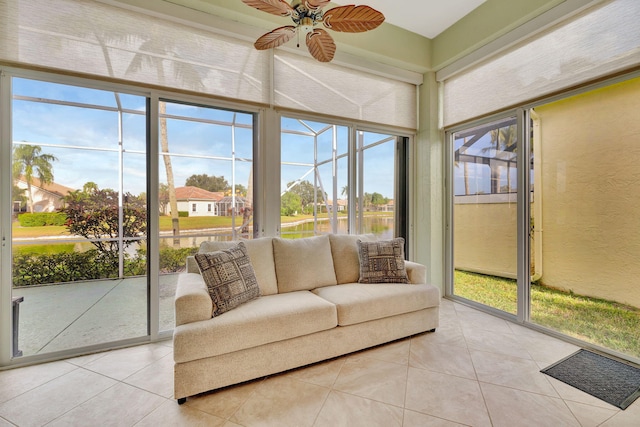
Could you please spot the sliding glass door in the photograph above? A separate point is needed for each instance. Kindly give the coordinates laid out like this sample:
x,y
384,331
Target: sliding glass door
x,y
79,217
561,254
80,190
484,214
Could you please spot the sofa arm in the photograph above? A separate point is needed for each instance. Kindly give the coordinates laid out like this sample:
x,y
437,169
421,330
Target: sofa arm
x,y
417,272
192,265
192,300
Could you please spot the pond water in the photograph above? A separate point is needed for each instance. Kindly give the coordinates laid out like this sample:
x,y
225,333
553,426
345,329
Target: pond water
x,y
382,227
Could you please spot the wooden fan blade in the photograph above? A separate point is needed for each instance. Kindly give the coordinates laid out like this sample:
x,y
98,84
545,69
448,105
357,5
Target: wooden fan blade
x,y
352,19
274,7
316,4
321,45
275,38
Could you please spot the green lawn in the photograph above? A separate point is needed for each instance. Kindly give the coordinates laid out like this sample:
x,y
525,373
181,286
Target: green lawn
x,y
605,323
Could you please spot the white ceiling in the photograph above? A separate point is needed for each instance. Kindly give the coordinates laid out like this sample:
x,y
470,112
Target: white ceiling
x,y
425,17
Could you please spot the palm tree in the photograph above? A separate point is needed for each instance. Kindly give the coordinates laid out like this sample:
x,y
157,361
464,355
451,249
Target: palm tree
x,y
503,139
90,187
140,62
30,162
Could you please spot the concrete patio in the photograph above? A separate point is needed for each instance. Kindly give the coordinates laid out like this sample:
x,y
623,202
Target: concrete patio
x,y
78,314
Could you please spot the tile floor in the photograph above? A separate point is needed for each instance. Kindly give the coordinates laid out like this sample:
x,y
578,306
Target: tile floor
x,y
475,370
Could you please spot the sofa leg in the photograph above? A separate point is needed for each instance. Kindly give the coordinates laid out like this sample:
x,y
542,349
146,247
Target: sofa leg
x,y
182,400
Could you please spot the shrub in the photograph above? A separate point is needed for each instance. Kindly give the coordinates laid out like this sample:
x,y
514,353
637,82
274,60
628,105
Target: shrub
x,y
40,219
171,260
135,266
62,267
183,214
42,269
174,260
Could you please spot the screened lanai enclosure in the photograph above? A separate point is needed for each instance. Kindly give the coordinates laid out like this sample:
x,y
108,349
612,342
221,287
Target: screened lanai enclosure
x,y
341,182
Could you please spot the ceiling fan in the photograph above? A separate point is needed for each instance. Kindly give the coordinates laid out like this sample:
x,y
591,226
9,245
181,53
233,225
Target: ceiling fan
x,y
307,15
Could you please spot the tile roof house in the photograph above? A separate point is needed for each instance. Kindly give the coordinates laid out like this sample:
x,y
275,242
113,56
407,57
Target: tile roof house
x,y
46,197
197,202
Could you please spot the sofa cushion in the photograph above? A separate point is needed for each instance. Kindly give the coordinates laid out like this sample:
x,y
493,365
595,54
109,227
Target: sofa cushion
x,y
344,250
229,277
358,302
264,320
303,264
261,253
382,261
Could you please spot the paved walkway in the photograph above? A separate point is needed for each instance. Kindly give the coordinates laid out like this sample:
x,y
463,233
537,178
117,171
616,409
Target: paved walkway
x,y
60,317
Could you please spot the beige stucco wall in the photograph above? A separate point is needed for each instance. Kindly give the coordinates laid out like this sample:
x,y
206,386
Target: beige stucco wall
x,y
485,236
589,174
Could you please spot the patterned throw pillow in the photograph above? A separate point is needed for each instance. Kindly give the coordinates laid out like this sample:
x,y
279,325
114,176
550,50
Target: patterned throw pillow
x,y
382,261
229,277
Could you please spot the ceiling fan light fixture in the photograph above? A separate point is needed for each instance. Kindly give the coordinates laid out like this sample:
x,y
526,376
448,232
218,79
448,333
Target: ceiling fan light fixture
x,y
307,15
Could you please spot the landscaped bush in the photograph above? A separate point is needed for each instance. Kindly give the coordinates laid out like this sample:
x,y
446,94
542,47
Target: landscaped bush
x,y
59,268
44,269
183,214
174,260
40,219
171,260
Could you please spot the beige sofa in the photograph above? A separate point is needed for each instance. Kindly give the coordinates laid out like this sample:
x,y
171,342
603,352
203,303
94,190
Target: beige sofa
x,y
311,308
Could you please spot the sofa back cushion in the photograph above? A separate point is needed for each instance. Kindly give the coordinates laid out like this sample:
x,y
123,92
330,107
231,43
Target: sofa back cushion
x,y
261,254
344,250
303,264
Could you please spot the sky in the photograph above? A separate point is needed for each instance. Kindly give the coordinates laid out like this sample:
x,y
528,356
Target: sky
x,y
85,141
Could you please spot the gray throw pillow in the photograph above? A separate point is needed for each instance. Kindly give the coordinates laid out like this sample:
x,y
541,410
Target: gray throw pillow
x,y
229,277
382,261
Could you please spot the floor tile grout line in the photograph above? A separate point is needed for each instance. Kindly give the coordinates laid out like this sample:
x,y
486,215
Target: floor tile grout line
x,y
478,382
7,421
534,392
147,366
124,349
564,402
609,418
324,402
39,385
253,393
406,383
80,404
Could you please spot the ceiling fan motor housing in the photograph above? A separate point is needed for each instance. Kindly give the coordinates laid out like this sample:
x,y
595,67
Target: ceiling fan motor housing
x,y
305,16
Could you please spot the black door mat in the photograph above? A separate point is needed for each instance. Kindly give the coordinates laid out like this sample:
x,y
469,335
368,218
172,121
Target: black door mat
x,y
607,379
